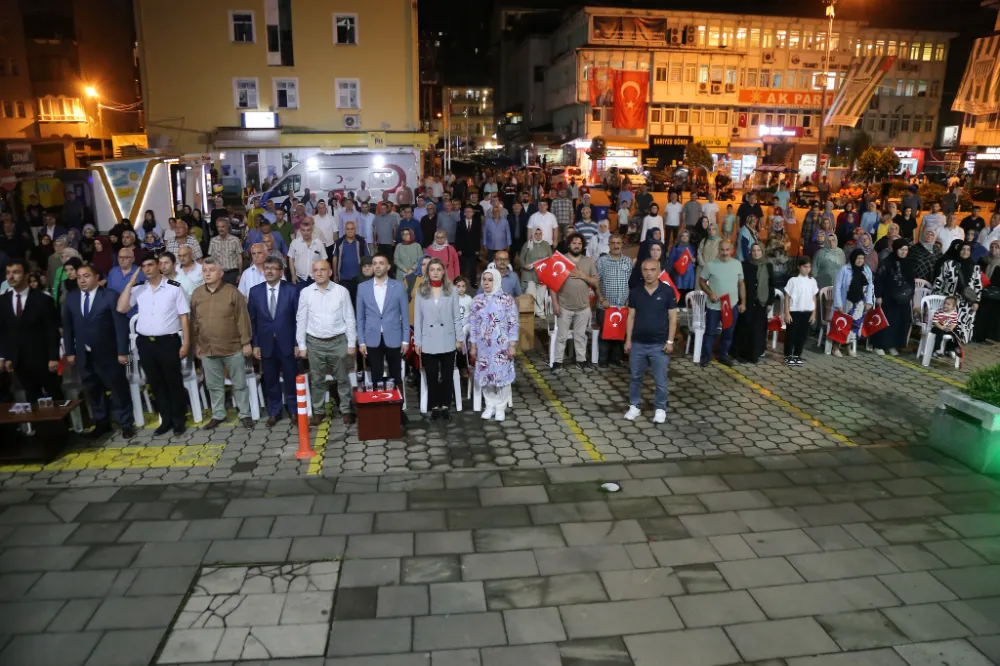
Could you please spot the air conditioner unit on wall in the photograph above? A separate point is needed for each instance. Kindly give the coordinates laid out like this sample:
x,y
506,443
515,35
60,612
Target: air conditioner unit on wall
x,y
736,131
689,34
807,131
768,56
716,88
730,87
703,88
674,36
352,121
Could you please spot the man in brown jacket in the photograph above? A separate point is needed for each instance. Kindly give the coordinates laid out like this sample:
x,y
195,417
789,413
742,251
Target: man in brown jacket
x,y
221,329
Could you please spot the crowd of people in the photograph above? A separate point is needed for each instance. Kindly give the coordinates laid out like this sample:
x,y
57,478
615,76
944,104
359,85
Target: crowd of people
x,y
427,279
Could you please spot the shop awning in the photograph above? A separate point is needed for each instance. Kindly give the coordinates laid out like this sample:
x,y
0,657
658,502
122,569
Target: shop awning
x,y
746,143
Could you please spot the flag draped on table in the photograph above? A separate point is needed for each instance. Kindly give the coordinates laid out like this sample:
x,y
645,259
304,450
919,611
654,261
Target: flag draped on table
x,y
863,79
979,92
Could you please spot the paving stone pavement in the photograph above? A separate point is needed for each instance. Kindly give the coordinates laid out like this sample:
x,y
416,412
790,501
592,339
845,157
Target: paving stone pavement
x,y
846,556
560,419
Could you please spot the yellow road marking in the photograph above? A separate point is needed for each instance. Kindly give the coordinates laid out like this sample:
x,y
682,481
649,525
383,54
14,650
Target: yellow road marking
x,y
920,368
129,457
319,446
563,413
767,393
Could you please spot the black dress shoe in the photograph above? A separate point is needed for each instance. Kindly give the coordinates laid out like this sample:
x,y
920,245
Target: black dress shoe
x,y
163,429
179,430
128,432
100,429
446,414
271,420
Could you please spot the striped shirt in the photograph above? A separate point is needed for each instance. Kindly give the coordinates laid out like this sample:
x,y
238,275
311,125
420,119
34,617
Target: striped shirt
x,y
226,251
173,245
944,319
614,275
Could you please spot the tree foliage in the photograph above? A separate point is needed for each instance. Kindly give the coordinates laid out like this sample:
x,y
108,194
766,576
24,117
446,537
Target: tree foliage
x,y
874,163
698,155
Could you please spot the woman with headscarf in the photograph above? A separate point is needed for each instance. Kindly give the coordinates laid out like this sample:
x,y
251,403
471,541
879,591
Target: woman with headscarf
x,y
828,216
750,336
73,237
418,277
748,235
987,324
406,257
894,294
652,236
687,280
86,246
959,276
115,235
152,244
657,253
810,225
924,257
440,249
818,244
102,260
847,222
68,281
700,231
493,343
828,262
437,334
776,253
883,246
854,294
597,247
367,269
871,256
978,251
66,268
536,249
708,249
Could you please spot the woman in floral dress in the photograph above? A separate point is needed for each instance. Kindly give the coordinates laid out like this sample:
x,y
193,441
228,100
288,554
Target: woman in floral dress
x,y
493,337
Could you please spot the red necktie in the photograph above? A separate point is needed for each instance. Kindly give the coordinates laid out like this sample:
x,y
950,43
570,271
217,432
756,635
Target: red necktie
x,y
17,309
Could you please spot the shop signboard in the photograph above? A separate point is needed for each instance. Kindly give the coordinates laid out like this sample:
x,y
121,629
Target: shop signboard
x,y
660,140
712,141
989,154
20,158
781,98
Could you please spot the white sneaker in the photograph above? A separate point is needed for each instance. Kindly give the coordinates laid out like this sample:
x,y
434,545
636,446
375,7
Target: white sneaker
x,y
488,413
852,352
500,415
879,352
633,413
660,416
893,352
837,352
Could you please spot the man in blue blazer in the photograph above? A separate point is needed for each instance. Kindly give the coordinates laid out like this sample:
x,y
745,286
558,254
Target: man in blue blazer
x,y
273,304
95,335
383,315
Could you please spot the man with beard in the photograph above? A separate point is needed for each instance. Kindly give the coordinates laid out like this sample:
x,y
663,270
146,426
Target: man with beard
x,y
571,304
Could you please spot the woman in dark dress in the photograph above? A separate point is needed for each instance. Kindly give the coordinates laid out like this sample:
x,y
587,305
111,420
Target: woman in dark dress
x,y
894,294
987,326
750,337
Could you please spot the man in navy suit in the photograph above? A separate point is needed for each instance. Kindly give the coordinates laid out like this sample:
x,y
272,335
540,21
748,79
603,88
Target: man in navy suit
x,y
383,316
273,305
29,335
96,337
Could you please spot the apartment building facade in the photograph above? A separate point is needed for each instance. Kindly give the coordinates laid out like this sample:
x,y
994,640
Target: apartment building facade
x,y
271,83
749,87
979,135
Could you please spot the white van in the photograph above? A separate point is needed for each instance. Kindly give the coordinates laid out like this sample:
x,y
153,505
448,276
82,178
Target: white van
x,y
344,172
561,175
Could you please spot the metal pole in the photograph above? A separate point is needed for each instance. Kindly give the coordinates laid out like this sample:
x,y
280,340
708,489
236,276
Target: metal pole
x,y
826,78
100,123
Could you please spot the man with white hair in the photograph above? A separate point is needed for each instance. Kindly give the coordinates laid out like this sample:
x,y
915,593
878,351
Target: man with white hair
x,y
254,275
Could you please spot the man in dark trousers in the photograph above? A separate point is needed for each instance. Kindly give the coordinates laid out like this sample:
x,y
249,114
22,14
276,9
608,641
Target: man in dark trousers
x,y
273,305
29,335
468,241
163,314
95,335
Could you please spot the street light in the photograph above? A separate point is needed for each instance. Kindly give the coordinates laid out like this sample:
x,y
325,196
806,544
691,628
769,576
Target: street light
x,y
91,92
830,14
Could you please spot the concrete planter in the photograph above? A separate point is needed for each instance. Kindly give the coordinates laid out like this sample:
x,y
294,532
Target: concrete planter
x,y
967,430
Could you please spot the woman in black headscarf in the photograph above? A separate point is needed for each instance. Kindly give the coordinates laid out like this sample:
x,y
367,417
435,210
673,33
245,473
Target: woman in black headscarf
x,y
652,236
750,337
959,276
894,294
655,251
854,294
987,324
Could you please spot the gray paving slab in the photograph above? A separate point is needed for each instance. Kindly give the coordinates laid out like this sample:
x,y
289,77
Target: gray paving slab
x,y
692,647
780,639
617,618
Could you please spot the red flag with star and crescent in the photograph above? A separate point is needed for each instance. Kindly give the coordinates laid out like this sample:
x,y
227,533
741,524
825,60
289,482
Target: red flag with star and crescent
x,y
665,279
726,306
553,271
631,90
682,263
613,327
874,322
840,327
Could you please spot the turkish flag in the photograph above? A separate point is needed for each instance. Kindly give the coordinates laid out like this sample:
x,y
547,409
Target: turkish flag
x,y
874,322
742,120
614,324
553,271
775,323
840,327
631,89
727,312
682,263
665,279
986,280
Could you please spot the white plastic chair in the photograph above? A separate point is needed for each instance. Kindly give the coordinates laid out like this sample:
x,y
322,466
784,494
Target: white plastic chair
x,y
192,384
824,304
921,289
553,330
136,378
457,390
353,381
253,388
695,302
929,306
779,306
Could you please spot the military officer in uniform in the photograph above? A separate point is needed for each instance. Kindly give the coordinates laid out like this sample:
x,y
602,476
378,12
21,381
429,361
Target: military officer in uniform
x,y
163,313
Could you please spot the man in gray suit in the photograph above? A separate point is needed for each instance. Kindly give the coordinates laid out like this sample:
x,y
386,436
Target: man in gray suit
x,y
383,316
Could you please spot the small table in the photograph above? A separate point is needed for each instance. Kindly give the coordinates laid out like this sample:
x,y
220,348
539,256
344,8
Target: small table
x,y
380,414
51,433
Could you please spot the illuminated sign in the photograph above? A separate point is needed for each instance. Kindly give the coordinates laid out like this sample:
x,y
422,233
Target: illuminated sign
x,y
260,119
992,153
780,131
661,140
712,141
767,97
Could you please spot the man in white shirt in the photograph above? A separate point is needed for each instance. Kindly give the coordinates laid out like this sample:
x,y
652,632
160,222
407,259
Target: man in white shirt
x,y
168,269
364,227
545,221
363,195
326,334
326,223
349,214
254,275
303,251
711,209
990,233
933,220
949,233
672,219
189,268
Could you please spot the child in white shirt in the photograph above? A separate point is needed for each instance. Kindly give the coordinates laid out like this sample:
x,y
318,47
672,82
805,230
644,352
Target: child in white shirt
x,y
800,312
464,311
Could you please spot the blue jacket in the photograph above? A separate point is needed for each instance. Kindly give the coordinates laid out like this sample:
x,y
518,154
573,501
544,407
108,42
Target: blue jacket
x,y
843,282
687,280
393,323
275,336
104,329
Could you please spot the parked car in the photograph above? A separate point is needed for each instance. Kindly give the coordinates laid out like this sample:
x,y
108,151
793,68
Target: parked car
x,y
560,175
630,175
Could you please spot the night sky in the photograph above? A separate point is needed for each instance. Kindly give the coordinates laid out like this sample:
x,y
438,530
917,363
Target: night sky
x,y
466,26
